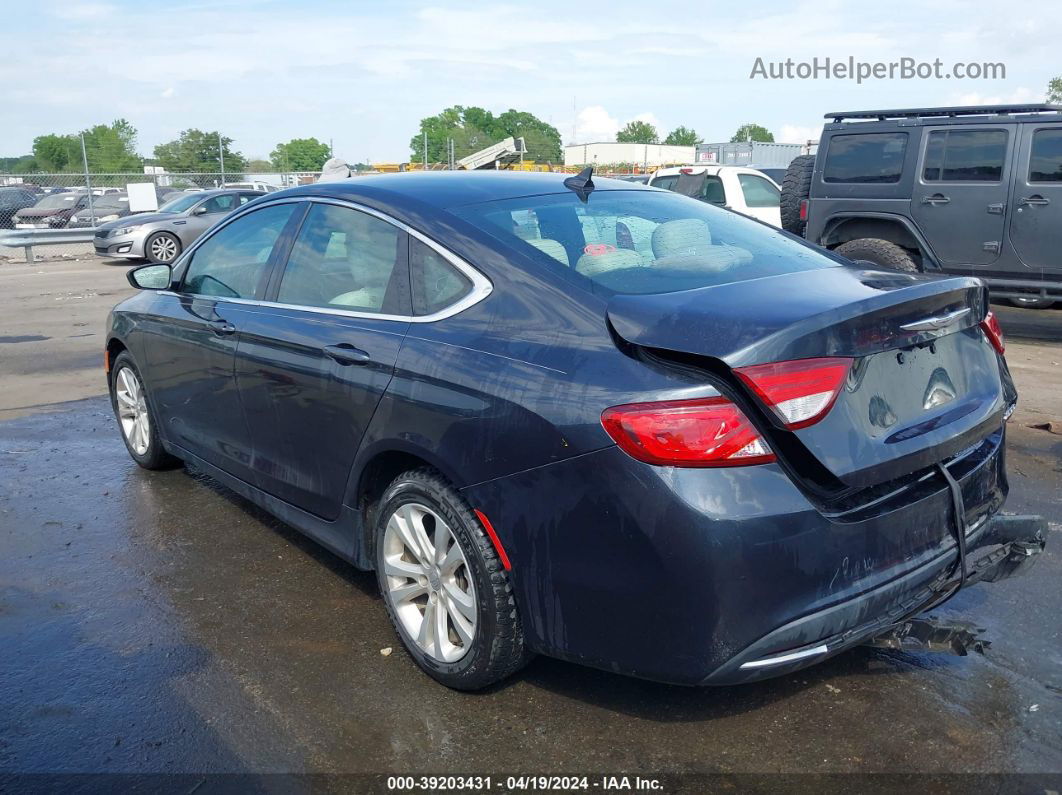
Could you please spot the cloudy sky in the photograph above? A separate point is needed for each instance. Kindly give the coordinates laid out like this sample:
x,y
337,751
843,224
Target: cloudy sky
x,y
364,73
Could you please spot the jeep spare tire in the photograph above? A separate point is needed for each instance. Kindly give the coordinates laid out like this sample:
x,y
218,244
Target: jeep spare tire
x,y
880,252
796,186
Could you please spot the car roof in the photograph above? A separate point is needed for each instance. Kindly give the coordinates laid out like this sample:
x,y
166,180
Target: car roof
x,y
449,188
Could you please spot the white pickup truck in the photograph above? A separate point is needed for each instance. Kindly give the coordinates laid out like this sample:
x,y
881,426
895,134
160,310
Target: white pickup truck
x,y
744,190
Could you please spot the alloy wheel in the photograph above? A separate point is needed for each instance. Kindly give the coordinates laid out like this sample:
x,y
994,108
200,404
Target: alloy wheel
x,y
163,248
428,582
132,410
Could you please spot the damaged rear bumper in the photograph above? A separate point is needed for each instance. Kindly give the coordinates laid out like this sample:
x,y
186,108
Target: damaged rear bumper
x,y
1002,547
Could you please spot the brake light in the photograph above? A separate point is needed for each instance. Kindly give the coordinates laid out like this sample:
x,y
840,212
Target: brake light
x,y
799,392
990,326
707,432
803,209
685,170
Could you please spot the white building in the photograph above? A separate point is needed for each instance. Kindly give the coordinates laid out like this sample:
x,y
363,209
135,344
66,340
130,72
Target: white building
x,y
608,153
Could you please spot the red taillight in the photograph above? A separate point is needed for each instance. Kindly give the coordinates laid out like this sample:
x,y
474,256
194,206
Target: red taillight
x,y
799,392
803,209
685,170
707,432
990,326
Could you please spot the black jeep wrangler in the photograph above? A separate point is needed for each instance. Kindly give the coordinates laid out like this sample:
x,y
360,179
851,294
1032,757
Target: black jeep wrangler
x,y
968,190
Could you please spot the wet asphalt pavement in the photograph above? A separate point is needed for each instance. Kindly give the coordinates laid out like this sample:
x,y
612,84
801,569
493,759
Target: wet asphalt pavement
x,y
154,622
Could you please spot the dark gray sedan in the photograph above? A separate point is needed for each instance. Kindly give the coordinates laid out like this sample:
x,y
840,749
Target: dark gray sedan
x,y
162,235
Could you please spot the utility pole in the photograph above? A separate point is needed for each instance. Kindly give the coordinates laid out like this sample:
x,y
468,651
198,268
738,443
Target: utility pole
x,y
88,182
425,150
221,157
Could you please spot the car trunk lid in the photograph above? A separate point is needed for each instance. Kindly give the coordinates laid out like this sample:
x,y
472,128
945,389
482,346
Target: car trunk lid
x,y
924,382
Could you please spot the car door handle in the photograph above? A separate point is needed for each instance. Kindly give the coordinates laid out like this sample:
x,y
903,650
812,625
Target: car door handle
x,y
222,327
935,199
1036,199
345,353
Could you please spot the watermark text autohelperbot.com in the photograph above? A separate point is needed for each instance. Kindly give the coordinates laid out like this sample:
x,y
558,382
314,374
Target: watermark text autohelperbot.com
x,y
859,71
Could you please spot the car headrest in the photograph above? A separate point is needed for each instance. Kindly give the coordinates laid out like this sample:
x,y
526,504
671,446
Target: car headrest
x,y
686,236
551,247
591,264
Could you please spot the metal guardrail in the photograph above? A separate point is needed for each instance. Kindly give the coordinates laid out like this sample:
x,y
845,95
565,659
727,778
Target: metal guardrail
x,y
29,238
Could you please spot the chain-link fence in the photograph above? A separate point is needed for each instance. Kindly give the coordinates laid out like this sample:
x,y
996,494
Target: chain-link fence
x,y
33,207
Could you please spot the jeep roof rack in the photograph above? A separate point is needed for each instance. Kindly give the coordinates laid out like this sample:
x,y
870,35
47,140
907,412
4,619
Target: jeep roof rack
x,y
963,110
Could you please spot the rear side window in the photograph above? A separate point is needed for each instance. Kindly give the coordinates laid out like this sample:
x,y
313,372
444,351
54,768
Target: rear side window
x,y
1045,162
865,157
345,259
231,262
965,156
666,182
436,283
758,192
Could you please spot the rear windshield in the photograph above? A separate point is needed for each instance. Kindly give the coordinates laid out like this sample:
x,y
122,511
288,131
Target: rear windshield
x,y
642,241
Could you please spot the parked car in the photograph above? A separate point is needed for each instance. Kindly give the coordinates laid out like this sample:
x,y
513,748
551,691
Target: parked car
x,y
102,209
163,235
966,190
114,206
254,185
737,188
52,211
641,179
11,201
544,442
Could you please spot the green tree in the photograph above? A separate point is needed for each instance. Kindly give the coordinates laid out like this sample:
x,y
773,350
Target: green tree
x,y
196,150
1054,91
18,165
300,154
474,128
54,152
110,148
638,132
682,136
257,165
752,132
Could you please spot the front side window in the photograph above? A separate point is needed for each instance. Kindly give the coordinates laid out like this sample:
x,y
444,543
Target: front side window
x,y
641,241
345,259
965,156
232,261
865,157
220,204
758,192
1045,162
436,283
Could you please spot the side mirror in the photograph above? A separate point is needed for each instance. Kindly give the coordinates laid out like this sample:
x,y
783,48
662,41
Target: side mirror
x,y
200,210
151,277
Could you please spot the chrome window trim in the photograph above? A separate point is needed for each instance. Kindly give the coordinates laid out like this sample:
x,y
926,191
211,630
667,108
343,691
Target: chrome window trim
x,y
481,285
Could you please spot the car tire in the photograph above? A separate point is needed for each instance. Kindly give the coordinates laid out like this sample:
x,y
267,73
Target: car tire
x,y
431,509
162,248
881,253
1032,302
136,419
796,186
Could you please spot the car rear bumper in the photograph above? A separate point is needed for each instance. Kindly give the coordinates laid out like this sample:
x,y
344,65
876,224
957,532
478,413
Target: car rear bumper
x,y
685,575
1006,546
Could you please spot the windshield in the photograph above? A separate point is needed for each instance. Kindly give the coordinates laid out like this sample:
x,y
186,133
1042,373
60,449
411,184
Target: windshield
x,y
111,201
642,241
57,200
181,203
